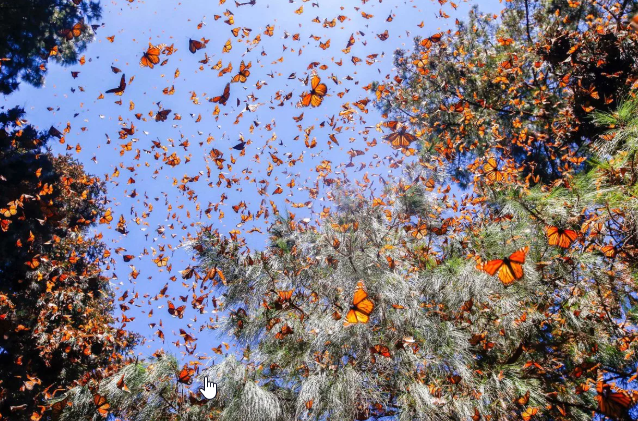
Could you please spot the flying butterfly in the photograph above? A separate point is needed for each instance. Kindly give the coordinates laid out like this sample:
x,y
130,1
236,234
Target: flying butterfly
x,y
120,89
243,72
162,115
361,306
173,311
315,96
151,56
185,376
561,237
400,139
509,268
194,45
223,98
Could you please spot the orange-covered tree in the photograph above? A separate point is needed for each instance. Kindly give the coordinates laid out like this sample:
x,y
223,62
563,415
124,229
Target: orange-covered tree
x,y
55,322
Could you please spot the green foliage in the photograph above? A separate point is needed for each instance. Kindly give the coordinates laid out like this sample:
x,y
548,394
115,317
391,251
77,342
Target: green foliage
x,y
521,86
32,32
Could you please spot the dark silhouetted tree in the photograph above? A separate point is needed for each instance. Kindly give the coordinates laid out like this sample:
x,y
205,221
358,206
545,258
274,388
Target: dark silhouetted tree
x,y
32,32
55,305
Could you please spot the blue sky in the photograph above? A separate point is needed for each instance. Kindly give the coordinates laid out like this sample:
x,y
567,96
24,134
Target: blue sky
x,y
157,184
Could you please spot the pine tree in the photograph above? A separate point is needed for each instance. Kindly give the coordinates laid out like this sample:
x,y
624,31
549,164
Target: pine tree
x,y
34,31
55,305
523,85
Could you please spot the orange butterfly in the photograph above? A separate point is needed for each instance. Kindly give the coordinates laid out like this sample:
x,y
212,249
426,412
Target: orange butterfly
x,y
74,32
427,42
609,251
400,139
381,350
151,56
634,22
120,89
243,72
315,97
284,299
491,171
529,413
561,237
284,295
361,306
285,331
179,311
612,401
194,45
420,231
223,98
227,47
102,405
186,375
509,268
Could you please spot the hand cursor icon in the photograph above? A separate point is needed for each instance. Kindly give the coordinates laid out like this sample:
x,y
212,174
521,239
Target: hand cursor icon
x,y
210,389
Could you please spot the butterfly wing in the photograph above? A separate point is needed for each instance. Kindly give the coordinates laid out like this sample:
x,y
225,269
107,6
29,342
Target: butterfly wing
x,y
306,100
566,238
493,266
351,317
102,405
519,255
509,272
553,235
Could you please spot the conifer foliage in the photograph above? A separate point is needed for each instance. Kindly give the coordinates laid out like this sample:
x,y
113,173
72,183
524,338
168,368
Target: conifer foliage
x,y
55,321
36,31
512,299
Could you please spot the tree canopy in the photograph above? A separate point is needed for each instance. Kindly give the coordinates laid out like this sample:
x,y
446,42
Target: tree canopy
x,y
34,31
495,279
55,305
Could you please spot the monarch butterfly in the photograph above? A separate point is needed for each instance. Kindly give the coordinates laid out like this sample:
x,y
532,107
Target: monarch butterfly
x,y
509,268
59,407
186,375
381,350
151,56
315,96
609,251
162,115
427,42
227,47
491,171
120,89
161,260
102,405
240,315
400,139
634,22
179,311
194,45
73,32
285,331
420,231
561,237
284,299
361,306
523,399
223,98
529,413
243,72
612,401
